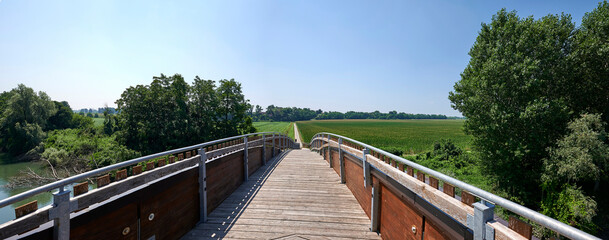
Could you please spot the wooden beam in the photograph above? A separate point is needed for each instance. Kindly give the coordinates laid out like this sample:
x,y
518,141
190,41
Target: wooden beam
x,y
26,209
521,227
80,188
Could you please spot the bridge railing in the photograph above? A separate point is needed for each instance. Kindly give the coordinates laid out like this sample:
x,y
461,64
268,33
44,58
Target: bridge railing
x,y
436,189
157,166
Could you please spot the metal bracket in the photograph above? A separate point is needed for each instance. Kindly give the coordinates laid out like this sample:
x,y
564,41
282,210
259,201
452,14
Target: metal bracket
x,y
482,214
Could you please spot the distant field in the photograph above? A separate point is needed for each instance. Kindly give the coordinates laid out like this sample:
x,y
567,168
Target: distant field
x,y
410,136
98,121
282,127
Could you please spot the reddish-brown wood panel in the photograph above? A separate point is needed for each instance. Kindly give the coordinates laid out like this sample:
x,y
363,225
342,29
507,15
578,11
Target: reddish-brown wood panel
x,y
335,162
354,177
172,208
432,232
106,222
224,176
254,158
397,218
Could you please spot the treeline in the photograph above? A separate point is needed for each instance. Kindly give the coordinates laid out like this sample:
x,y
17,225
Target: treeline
x,y
377,115
535,95
292,114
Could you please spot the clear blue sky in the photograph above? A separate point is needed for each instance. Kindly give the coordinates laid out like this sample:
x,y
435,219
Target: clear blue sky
x,y
333,55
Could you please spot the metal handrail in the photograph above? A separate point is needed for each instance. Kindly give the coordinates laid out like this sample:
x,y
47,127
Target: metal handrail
x,y
66,181
553,224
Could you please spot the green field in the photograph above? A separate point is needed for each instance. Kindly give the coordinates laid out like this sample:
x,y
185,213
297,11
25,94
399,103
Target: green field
x,y
282,127
410,136
98,121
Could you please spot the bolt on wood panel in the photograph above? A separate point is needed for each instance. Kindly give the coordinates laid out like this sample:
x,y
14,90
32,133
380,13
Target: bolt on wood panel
x,y
397,218
171,207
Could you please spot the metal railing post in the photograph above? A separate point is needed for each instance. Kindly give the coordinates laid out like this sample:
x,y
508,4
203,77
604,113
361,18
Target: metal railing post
x,y
374,211
60,213
341,160
482,214
202,185
263,149
366,167
245,165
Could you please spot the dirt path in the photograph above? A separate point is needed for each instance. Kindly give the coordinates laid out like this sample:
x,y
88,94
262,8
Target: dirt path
x,y
297,135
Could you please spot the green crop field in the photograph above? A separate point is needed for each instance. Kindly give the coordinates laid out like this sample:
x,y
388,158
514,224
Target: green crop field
x,y
282,127
98,121
410,136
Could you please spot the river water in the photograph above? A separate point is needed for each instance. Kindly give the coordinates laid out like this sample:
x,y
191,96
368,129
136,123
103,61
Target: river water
x,y
8,170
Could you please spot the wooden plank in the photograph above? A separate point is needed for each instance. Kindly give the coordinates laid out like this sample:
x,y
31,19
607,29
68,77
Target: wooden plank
x,y
136,170
121,174
502,232
409,171
467,198
117,188
401,166
149,166
188,154
172,159
180,156
103,180
448,189
421,176
25,223
521,227
26,209
161,162
433,182
80,188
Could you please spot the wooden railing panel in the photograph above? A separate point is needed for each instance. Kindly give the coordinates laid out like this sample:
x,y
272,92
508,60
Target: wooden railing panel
x,y
397,218
335,162
174,203
254,157
354,177
224,176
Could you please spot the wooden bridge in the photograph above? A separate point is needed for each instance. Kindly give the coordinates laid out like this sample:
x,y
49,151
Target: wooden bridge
x,y
264,186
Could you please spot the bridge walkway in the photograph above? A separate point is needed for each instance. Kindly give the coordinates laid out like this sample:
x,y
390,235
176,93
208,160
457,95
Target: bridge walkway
x,y
296,196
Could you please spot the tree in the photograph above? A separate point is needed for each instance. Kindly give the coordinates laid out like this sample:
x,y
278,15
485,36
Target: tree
x,y
579,162
512,94
232,109
24,116
203,105
62,119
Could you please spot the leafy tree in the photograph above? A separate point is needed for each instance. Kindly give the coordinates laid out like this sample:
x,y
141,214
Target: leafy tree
x,y
512,94
81,122
203,107
62,119
232,109
24,116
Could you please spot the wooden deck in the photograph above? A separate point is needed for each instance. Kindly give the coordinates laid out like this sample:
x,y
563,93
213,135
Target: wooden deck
x,y
297,196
